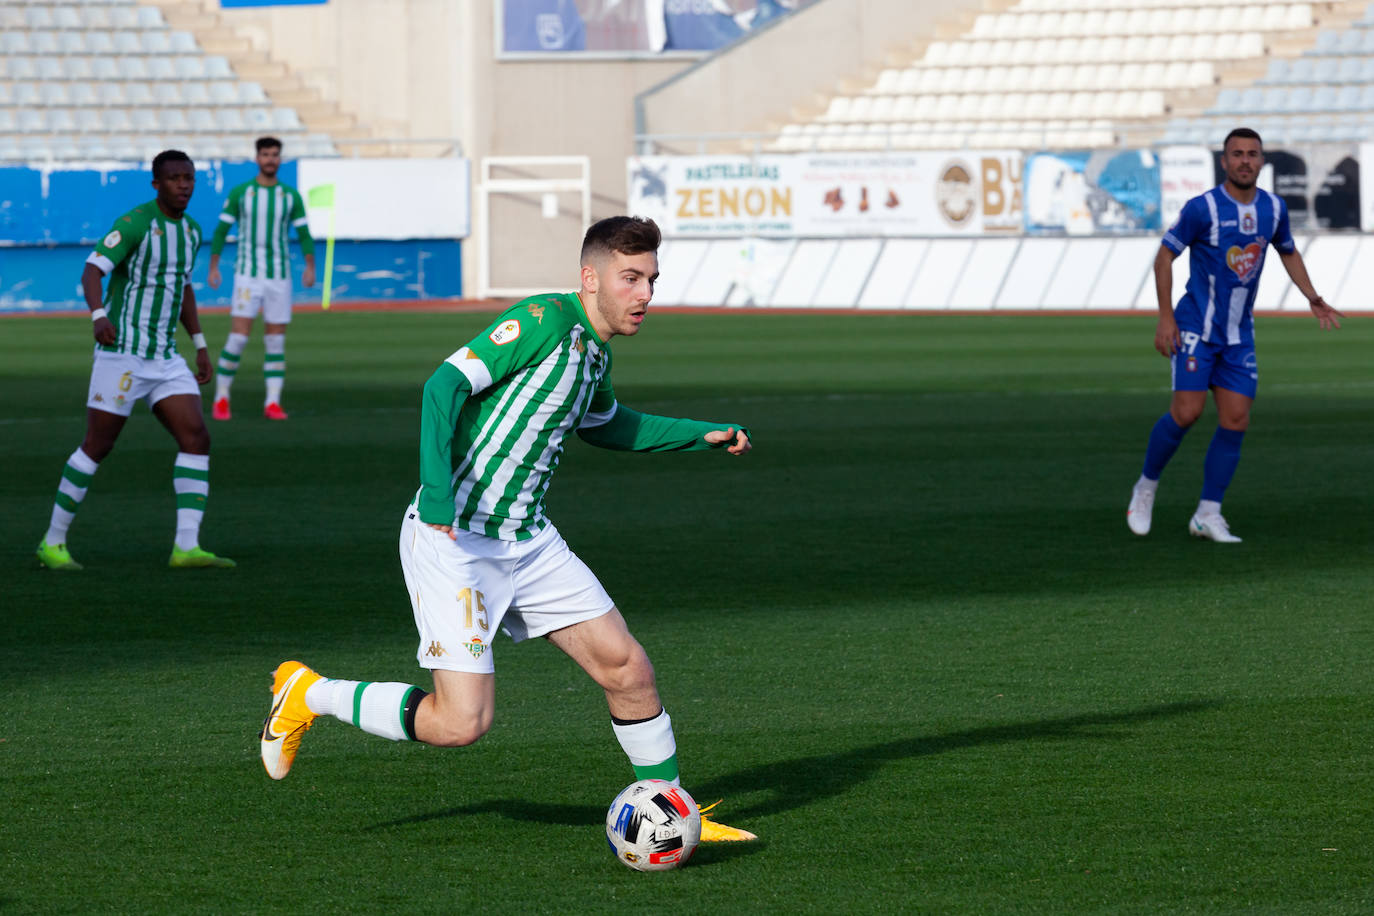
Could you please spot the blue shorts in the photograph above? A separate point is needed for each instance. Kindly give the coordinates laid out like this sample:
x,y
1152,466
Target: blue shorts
x,y
1200,365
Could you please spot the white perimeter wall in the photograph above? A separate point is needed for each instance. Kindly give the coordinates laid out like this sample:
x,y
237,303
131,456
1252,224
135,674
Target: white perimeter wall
x,y
1003,274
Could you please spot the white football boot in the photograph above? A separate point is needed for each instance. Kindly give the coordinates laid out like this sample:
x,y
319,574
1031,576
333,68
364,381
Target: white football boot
x,y
1141,510
1212,527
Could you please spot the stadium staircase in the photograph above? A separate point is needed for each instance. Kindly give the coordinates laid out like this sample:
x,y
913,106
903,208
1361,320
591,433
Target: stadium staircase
x,y
1101,73
113,79
205,19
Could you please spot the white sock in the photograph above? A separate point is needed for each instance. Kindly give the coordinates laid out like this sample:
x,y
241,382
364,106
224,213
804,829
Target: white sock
x,y
1145,483
191,480
377,708
651,747
229,364
1208,507
71,490
274,365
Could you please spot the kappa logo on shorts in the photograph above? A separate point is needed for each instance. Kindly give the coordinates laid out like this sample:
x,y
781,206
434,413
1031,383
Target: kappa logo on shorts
x,y
436,649
476,647
506,332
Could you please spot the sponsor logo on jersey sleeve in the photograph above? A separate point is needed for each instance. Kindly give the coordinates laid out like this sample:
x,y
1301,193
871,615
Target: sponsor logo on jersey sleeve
x,y
113,239
506,332
1244,261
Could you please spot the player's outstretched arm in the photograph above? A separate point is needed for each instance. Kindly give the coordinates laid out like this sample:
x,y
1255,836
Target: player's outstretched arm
x,y
1327,316
629,430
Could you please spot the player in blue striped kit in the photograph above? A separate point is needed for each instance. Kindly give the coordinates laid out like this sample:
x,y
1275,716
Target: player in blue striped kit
x,y
1210,337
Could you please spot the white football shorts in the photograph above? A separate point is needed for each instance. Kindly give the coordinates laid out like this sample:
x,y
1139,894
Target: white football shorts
x,y
462,591
119,380
256,294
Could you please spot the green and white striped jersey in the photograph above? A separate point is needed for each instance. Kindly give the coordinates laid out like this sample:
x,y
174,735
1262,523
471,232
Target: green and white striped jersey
x,y
148,257
534,375
263,216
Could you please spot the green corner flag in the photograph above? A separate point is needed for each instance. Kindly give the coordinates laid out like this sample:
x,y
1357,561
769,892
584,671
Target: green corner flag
x,y
322,196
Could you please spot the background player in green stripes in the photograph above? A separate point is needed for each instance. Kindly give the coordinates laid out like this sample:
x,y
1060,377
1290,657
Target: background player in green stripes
x,y
263,209
148,256
478,552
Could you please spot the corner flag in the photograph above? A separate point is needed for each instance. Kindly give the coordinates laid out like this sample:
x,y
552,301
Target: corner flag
x,y
322,196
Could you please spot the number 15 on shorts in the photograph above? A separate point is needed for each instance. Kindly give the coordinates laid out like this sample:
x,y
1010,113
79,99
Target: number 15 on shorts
x,y
470,599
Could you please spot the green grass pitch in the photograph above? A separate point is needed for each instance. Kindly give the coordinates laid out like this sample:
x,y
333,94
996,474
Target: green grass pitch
x,y
909,639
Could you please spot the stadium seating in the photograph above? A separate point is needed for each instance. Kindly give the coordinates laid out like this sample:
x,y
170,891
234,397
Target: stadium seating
x,y
103,78
1324,95
1091,73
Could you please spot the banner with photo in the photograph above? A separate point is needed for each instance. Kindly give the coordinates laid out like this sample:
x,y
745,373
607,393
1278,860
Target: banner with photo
x,y
1092,193
633,26
829,194
1334,203
1367,200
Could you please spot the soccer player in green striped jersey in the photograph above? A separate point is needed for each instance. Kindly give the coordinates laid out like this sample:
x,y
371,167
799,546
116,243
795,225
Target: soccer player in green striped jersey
x,y
477,550
264,210
148,256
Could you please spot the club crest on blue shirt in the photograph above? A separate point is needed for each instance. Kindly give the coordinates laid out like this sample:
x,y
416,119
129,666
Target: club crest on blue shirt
x,y
1247,222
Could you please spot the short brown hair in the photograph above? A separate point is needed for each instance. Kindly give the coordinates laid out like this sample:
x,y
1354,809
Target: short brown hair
x,y
266,143
625,234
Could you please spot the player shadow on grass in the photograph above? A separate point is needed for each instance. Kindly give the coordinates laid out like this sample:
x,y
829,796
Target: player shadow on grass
x,y
789,784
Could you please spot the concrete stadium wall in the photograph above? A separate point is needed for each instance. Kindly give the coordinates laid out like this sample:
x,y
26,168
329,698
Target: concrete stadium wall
x,y
792,63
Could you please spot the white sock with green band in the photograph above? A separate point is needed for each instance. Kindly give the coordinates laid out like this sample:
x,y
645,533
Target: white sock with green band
x,y
229,359
274,365
650,745
191,481
71,490
383,709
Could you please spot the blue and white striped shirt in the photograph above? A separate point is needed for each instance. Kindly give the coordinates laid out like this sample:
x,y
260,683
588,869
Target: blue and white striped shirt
x,y
1228,240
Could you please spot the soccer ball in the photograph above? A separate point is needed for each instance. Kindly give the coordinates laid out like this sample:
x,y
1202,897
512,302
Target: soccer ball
x,y
653,825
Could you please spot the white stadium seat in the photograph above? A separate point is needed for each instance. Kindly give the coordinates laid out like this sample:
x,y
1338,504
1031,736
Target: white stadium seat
x,y
139,92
